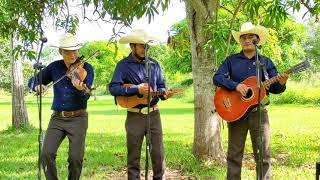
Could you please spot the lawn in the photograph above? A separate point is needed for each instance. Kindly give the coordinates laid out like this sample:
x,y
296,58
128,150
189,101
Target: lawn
x,y
295,143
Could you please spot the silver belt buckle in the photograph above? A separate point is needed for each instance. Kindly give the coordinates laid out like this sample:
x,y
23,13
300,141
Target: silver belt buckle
x,y
144,110
62,114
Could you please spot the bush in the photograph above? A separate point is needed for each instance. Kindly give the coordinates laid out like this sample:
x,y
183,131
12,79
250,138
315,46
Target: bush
x,y
298,93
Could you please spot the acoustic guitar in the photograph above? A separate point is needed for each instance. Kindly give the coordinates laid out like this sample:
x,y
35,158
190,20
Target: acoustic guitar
x,y
132,101
231,105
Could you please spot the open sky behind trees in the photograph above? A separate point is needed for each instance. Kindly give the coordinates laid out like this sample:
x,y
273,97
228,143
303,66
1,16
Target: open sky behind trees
x,y
158,27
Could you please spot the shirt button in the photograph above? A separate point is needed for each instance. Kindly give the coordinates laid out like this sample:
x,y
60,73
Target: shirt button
x,y
62,104
66,87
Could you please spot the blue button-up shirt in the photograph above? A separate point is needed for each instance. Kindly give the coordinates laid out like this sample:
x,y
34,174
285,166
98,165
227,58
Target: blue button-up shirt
x,y
236,68
66,96
130,71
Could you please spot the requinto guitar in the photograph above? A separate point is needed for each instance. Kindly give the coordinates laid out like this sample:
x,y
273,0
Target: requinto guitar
x,y
231,105
132,101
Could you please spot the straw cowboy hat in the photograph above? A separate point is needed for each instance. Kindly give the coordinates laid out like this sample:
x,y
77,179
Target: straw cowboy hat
x,y
249,28
138,36
68,42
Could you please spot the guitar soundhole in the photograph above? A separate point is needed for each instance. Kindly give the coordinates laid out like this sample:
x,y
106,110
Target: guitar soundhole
x,y
249,94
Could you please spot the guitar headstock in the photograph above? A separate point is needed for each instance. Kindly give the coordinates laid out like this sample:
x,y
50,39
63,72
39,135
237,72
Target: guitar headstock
x,y
299,67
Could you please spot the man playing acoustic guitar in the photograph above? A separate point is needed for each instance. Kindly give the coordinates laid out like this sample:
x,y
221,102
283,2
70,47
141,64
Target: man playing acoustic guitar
x,y
132,70
234,70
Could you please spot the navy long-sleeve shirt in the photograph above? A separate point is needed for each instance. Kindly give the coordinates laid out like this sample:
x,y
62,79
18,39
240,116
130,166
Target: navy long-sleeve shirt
x,y
66,96
130,71
237,67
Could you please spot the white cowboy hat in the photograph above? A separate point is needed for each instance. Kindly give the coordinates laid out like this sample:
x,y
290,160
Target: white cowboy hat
x,y
138,36
68,42
249,28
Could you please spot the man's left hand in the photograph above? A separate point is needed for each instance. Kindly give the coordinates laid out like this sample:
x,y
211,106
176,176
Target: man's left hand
x,y
77,83
283,78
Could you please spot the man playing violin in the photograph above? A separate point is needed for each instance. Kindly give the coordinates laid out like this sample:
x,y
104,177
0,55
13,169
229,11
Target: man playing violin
x,y
235,69
132,70
69,118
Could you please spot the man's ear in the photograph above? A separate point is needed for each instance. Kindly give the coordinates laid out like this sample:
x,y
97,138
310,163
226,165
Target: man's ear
x,y
132,46
258,38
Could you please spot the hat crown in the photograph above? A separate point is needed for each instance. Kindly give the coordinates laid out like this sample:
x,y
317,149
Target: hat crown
x,y
138,36
247,26
68,41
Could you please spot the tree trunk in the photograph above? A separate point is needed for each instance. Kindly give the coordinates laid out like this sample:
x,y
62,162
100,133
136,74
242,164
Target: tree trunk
x,y
19,111
207,140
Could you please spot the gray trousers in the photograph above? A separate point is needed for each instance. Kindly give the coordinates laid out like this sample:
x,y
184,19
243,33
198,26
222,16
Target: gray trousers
x,y
135,132
237,133
75,129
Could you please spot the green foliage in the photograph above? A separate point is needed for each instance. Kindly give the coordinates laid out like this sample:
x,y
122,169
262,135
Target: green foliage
x,y
312,45
104,63
179,58
310,94
285,46
5,70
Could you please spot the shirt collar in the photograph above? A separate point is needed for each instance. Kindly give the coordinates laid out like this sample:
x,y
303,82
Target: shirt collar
x,y
242,56
133,59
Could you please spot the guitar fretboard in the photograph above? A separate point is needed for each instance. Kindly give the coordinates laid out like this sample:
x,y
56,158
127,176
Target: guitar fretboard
x,y
268,82
158,93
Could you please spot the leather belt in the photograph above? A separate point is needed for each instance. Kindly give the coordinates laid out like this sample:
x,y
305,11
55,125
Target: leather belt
x,y
70,113
143,110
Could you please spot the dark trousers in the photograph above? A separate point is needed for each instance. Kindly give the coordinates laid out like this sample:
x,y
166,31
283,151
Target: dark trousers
x,y
75,129
237,136
135,132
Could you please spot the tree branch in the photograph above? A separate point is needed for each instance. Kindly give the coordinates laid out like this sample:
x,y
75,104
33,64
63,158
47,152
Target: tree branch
x,y
199,6
231,25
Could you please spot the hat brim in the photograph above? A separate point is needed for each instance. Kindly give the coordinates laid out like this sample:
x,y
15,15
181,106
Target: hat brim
x,y
70,48
262,32
137,40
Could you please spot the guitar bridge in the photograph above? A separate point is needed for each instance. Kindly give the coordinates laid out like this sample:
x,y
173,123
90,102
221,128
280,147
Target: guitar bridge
x,y
226,103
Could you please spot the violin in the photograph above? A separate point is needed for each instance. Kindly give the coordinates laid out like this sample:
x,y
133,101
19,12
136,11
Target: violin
x,y
76,70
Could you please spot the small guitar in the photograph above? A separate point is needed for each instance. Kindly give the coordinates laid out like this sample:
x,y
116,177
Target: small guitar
x,y
231,105
132,101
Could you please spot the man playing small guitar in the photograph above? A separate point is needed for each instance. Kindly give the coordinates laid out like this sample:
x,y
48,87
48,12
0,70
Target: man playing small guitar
x,y
234,70
132,70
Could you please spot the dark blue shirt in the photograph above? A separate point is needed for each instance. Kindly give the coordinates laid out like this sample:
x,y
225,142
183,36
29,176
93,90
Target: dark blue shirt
x,y
130,71
66,96
236,68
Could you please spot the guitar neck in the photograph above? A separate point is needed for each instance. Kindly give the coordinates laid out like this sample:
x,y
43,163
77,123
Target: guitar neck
x,y
158,93
272,80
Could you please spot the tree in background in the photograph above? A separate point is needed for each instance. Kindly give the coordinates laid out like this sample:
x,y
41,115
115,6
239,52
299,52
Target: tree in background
x,y
105,62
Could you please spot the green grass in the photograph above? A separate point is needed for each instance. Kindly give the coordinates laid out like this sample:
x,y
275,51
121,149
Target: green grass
x,y
295,142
